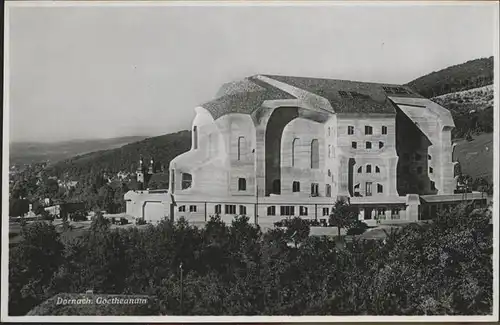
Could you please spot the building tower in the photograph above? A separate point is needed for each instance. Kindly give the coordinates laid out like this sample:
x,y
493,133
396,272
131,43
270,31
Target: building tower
x,y
140,174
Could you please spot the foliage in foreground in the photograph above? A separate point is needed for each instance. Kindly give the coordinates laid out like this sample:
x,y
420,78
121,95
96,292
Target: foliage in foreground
x,y
444,267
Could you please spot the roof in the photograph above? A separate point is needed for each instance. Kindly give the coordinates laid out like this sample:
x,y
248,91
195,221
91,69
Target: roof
x,y
247,95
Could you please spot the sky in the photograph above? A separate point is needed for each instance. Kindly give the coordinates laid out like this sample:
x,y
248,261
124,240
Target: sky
x,y
101,72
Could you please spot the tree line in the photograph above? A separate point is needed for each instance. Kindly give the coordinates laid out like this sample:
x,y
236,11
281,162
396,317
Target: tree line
x,y
443,267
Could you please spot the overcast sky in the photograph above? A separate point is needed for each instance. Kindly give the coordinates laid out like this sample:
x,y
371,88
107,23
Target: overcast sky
x,y
100,72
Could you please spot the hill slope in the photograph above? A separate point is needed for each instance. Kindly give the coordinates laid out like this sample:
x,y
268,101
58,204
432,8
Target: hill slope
x,y
33,152
476,157
163,148
468,75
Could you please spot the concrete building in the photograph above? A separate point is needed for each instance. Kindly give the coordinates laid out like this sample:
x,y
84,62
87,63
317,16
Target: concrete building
x,y
276,146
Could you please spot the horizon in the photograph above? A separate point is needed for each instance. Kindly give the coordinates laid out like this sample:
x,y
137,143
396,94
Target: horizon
x,y
107,72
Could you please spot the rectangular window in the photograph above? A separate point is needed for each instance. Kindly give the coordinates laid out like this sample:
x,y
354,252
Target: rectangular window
x,y
303,211
314,189
242,184
328,190
384,129
296,186
368,168
271,211
350,130
230,209
182,208
186,181
287,210
368,145
433,185
192,208
243,210
354,145
368,130
218,209
368,189
380,188
329,151
431,170
325,212
380,144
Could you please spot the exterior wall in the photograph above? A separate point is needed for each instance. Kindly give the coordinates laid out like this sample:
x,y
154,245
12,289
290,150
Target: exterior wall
x,y
351,159
303,132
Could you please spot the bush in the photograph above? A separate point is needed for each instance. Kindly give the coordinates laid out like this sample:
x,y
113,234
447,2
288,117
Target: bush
x,y
358,228
140,221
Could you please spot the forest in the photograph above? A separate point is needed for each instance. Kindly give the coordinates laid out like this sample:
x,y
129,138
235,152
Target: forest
x,y
439,268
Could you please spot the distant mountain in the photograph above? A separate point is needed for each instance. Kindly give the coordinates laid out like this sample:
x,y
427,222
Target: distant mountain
x,y
468,75
34,152
162,148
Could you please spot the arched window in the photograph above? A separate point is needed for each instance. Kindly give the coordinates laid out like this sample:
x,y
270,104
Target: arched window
x,y
294,151
380,144
360,169
296,186
314,154
328,190
241,147
195,137
368,168
187,179
377,170
380,188
384,129
242,184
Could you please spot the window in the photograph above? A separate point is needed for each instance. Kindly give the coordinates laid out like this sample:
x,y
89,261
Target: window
x,y
354,145
325,212
328,190
314,154
187,179
296,186
329,131
433,186
406,169
419,170
395,213
377,170
287,210
350,130
429,157
329,151
368,145
360,170
329,172
218,209
192,208
368,191
418,157
380,188
242,184
230,209
294,148
380,144
303,211
195,137
384,129
243,210
368,168
431,170
182,208
314,189
271,211
368,130
241,147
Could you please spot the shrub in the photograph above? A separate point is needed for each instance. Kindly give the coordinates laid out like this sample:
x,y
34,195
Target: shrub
x,y
140,221
357,228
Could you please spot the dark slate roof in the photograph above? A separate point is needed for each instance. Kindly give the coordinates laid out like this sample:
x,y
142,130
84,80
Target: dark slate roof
x,y
247,95
243,97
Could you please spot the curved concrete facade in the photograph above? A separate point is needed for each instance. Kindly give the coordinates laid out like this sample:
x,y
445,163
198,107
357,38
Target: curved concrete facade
x,y
307,147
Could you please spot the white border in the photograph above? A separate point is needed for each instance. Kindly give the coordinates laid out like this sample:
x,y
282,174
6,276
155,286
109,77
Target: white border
x,y
226,319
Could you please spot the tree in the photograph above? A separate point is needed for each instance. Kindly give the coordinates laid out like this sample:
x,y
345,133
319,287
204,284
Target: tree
x,y
297,229
343,215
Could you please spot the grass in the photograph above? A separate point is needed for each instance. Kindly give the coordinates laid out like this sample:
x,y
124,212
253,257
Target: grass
x,y
476,156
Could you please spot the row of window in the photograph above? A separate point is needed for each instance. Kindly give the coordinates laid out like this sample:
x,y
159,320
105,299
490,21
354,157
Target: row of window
x,y
368,145
368,189
368,169
314,153
368,130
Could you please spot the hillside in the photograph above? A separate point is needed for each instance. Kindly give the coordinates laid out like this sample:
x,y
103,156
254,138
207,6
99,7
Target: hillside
x,y
34,152
468,75
476,156
163,148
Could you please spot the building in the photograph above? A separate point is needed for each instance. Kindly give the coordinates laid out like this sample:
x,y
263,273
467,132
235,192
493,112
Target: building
x,y
277,146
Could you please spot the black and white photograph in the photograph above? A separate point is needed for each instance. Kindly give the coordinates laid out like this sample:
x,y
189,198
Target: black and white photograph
x,y
250,161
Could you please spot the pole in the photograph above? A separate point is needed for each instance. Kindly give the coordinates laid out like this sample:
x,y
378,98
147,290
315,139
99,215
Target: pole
x,y
256,203
316,212
205,211
180,266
